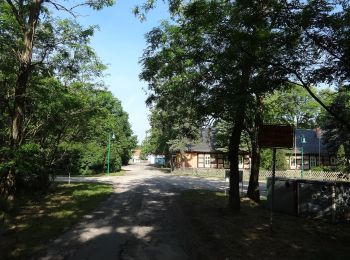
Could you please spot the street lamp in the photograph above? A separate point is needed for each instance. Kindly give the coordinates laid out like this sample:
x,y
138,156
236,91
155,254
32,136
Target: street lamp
x,y
109,150
303,141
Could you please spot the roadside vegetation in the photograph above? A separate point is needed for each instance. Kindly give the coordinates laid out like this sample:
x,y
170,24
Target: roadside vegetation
x,y
102,174
56,114
223,234
35,219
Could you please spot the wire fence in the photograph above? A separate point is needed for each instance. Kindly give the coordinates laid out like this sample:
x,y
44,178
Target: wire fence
x,y
263,174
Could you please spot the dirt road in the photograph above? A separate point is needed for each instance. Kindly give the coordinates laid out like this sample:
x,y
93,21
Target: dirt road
x,y
141,220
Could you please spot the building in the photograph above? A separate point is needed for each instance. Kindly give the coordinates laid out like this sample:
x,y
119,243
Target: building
x,y
136,156
158,159
206,154
315,152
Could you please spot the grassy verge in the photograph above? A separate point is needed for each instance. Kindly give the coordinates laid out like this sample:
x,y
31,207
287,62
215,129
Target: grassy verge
x,y
223,234
37,218
120,173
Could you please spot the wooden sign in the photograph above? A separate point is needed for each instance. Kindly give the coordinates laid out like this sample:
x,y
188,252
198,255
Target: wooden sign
x,y
276,136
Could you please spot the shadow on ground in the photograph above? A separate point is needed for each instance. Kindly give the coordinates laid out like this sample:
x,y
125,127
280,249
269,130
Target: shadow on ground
x,y
156,219
142,222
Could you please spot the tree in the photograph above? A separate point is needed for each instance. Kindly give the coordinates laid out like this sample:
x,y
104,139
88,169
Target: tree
x,y
31,44
311,49
318,31
316,39
26,15
292,105
212,58
171,130
266,160
337,135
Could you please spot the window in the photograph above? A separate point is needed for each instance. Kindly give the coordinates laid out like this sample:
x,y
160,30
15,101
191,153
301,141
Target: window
x,y
299,163
226,163
333,160
292,162
214,161
312,161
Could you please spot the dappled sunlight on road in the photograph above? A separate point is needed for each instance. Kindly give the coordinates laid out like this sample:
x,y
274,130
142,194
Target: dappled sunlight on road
x,y
141,220
133,223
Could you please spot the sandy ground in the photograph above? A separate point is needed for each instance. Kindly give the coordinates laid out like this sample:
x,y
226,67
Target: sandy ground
x,y
141,220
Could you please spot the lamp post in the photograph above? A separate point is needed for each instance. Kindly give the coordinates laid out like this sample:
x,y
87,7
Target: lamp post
x,y
303,141
109,150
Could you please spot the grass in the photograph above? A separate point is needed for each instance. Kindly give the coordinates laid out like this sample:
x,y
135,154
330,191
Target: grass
x,y
120,173
35,219
224,234
200,175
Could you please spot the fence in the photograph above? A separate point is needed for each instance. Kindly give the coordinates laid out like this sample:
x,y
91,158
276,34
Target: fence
x,y
311,175
201,172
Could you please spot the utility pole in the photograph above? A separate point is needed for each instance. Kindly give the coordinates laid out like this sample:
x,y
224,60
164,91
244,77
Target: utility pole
x,y
303,141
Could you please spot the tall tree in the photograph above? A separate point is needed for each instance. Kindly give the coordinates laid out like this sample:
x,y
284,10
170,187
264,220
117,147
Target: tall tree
x,y
316,43
27,38
213,57
336,135
319,32
292,105
173,126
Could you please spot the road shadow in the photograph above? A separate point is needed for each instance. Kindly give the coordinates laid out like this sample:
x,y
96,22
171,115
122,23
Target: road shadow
x,y
153,219
144,222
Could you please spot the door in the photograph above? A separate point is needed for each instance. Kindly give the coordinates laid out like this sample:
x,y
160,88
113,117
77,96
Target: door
x,y
207,160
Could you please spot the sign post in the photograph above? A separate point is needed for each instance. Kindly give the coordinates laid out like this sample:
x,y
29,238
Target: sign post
x,y
273,185
275,136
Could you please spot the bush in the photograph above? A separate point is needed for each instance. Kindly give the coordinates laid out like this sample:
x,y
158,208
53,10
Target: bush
x,y
266,160
324,168
30,168
94,159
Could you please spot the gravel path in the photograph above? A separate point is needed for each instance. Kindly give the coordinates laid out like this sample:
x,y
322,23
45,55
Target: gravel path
x,y
139,221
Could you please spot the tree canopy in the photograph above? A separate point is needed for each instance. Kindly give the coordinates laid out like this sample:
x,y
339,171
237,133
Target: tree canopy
x,y
56,114
220,59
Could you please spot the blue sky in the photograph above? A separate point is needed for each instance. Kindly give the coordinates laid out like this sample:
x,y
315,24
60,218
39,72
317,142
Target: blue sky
x,y
119,43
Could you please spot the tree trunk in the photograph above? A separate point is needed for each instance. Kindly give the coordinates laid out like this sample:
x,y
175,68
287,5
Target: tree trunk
x,y
25,62
7,181
235,138
253,187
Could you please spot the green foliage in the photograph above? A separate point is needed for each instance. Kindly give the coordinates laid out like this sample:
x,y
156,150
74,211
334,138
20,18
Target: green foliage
x,y
266,160
342,160
67,114
324,168
30,166
292,105
336,134
169,132
92,158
